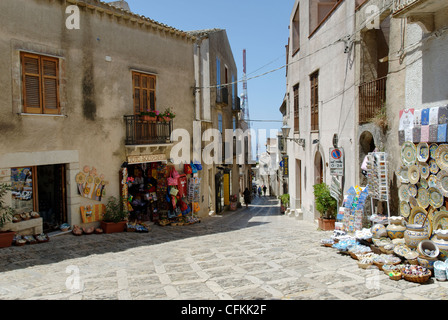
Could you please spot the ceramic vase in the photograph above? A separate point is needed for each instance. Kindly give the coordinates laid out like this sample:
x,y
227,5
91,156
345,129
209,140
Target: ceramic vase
x,y
441,241
415,234
378,231
396,229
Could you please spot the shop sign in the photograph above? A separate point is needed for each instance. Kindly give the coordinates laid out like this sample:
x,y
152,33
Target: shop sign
x,y
146,158
285,165
336,161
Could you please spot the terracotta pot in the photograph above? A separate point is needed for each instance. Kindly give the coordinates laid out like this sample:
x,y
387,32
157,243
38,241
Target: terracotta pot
x,y
415,234
6,239
396,229
112,227
149,118
326,224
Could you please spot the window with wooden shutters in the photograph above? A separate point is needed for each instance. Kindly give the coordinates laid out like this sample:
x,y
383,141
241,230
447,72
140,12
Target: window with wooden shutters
x,y
296,109
144,87
314,79
40,82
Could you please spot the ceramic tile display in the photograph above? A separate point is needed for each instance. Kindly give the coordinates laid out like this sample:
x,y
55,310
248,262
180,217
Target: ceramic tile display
x,y
424,167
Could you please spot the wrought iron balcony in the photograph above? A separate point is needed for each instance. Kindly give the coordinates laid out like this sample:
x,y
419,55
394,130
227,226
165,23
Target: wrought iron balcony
x,y
140,131
372,98
222,96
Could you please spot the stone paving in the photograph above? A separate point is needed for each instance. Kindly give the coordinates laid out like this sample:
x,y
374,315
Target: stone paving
x,y
249,254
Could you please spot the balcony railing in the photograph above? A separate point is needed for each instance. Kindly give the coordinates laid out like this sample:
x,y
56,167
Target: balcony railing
x,y
145,132
372,98
404,8
403,4
222,95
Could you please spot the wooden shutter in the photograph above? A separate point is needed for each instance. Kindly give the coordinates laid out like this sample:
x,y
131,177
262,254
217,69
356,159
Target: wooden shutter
x,y
314,101
144,87
40,81
296,109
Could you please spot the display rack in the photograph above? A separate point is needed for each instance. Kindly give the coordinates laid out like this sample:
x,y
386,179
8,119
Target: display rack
x,y
377,176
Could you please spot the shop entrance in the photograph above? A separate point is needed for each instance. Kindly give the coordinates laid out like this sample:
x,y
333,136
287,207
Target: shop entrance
x,y
219,198
51,197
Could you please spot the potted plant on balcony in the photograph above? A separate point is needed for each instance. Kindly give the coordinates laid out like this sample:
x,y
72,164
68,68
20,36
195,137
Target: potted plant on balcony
x,y
168,115
150,115
114,218
6,214
326,205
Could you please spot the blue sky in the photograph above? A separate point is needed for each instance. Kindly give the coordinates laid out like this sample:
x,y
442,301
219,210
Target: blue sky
x,y
259,26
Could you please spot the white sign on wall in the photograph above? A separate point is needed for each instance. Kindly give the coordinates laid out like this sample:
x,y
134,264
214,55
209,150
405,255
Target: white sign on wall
x,y
336,161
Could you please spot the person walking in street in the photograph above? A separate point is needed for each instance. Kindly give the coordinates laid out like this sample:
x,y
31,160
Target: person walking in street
x,y
264,190
246,195
259,191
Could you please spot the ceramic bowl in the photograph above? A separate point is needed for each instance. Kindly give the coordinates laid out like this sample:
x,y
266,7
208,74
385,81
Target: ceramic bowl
x,y
428,249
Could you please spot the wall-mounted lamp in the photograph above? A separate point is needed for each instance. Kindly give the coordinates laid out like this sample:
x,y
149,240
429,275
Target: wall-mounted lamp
x,y
286,130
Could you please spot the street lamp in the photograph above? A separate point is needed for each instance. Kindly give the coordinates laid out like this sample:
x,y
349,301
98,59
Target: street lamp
x,y
286,130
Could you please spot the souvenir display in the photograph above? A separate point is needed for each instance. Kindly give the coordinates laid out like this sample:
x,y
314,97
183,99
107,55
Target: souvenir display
x,y
403,174
432,150
414,174
441,240
405,209
413,202
408,154
441,156
432,181
422,152
396,228
419,216
435,198
413,190
442,182
433,166
423,183
424,170
423,198
440,220
414,234
403,192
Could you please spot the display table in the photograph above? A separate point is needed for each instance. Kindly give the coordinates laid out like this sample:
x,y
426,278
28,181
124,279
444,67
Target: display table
x,y
25,227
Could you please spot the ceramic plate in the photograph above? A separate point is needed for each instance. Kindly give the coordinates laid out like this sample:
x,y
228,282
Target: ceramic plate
x,y
423,183
442,156
442,182
435,198
405,209
403,175
432,150
403,192
423,198
422,152
413,174
440,220
413,202
408,154
424,170
433,167
418,216
402,250
413,190
432,181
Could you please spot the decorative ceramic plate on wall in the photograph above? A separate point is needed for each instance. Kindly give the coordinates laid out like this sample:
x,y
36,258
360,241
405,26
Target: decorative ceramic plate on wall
x,y
432,181
432,150
402,174
442,182
413,202
440,220
403,192
405,209
413,174
435,198
418,216
408,154
413,190
442,156
422,152
433,166
423,183
423,198
424,170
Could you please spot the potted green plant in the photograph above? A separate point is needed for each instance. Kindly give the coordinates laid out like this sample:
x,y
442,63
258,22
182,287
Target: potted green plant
x,y
6,214
168,115
284,202
326,205
115,217
150,115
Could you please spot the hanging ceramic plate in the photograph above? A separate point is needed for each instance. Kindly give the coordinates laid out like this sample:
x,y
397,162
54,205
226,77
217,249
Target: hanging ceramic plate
x,y
442,156
435,198
413,190
408,154
424,170
403,192
440,220
432,150
442,182
423,183
403,174
413,202
423,198
418,216
422,152
433,167
413,174
432,181
405,209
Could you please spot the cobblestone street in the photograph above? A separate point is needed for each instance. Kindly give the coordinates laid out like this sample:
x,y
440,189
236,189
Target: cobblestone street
x,y
247,254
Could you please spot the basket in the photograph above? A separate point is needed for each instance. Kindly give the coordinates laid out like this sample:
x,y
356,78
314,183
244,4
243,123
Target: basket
x,y
364,265
379,265
353,255
396,277
418,279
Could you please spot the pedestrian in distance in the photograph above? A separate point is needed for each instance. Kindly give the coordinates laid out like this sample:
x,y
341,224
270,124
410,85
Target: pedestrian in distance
x,y
246,195
259,191
264,190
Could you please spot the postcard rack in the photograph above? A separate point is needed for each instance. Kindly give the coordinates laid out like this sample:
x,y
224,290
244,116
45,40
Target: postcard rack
x,y
377,177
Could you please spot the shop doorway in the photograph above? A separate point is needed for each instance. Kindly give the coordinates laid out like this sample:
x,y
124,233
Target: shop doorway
x,y
219,198
51,196
318,168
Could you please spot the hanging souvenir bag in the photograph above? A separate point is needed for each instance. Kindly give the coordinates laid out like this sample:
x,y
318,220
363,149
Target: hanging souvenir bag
x,y
174,173
182,185
172,179
173,191
198,166
193,168
187,169
196,207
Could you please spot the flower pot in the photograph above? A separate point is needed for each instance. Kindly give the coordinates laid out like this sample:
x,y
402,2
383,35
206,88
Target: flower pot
x,y
415,234
6,239
149,118
113,227
326,224
396,229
